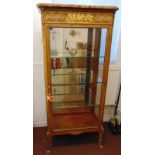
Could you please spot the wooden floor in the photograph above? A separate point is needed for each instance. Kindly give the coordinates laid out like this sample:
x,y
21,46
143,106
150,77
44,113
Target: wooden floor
x,y
85,144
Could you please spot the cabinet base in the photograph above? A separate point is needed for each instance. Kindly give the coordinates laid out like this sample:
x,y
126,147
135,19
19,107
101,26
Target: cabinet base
x,y
50,140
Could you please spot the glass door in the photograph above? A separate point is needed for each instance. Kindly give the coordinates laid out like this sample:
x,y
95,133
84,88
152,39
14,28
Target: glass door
x,y
76,72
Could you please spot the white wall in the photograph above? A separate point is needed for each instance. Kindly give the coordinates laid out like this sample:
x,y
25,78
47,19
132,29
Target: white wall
x,y
39,114
39,109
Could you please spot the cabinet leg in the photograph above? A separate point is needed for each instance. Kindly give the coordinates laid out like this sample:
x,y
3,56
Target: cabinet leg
x,y
101,138
49,144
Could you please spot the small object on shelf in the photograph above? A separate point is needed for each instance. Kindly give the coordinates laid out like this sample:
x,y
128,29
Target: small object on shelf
x,y
72,52
73,33
81,45
56,63
69,64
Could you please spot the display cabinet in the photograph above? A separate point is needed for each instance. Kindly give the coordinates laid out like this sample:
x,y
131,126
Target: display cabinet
x,y
77,43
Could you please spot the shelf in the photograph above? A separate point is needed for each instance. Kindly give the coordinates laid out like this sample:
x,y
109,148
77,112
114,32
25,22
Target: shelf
x,y
60,111
74,62
76,99
61,100
66,105
75,121
78,84
66,54
72,78
68,71
72,57
70,93
68,74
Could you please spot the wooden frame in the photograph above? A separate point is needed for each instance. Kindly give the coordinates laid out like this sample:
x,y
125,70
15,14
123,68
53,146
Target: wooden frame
x,y
56,15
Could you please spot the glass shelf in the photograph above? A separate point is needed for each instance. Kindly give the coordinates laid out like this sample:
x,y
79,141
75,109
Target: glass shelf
x,y
76,76
69,71
67,105
70,98
75,96
72,71
69,74
78,84
68,94
62,90
64,54
74,62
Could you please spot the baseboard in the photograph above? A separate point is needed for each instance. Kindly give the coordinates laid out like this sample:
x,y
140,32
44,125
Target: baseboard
x,y
108,113
118,115
39,124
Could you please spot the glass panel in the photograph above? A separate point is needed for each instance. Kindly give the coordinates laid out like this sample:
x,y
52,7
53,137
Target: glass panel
x,y
75,96
102,45
70,42
76,74
77,77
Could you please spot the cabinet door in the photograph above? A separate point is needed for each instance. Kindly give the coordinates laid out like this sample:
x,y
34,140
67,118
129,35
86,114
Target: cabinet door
x,y
76,67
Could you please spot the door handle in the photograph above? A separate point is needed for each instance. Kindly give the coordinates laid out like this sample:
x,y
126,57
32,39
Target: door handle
x,y
49,98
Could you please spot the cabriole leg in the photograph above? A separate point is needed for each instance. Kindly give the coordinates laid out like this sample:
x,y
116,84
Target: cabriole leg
x,y
101,138
49,144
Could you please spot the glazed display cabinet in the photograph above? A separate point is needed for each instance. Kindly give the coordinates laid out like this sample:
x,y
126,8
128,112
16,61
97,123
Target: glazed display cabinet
x,y
77,44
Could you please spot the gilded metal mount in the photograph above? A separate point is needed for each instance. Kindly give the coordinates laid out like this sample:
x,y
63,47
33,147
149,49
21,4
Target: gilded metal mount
x,y
49,98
